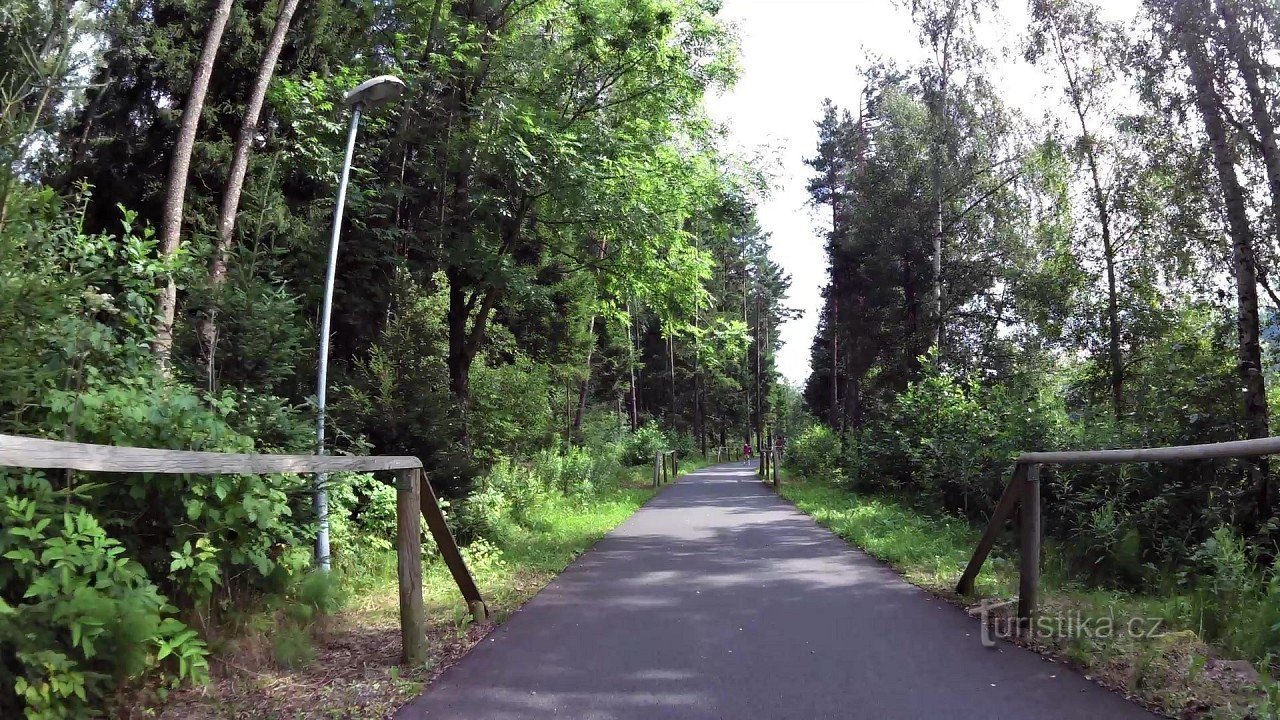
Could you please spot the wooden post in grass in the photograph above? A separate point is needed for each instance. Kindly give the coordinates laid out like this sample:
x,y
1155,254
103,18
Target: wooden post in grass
x,y
657,474
675,465
449,550
1029,573
413,615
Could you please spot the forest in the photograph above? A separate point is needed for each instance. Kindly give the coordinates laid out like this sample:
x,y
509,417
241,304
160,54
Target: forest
x,y
548,270
551,267
1096,275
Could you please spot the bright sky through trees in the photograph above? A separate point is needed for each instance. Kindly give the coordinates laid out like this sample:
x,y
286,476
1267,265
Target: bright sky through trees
x,y
794,54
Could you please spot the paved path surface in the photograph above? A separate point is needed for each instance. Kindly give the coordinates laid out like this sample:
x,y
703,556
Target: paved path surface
x,y
720,600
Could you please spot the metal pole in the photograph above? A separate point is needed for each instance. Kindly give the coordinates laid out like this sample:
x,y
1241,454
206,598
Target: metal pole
x,y
321,498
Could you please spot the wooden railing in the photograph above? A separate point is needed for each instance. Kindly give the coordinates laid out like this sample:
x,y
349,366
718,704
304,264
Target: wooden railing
x,y
1024,488
661,461
728,454
414,500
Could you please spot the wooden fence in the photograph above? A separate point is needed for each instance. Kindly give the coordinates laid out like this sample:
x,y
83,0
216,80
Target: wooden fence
x,y
768,470
414,500
661,461
728,454
1024,488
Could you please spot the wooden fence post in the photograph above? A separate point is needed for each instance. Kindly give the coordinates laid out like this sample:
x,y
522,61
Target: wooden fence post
x,y
775,474
1029,573
413,638
675,466
657,474
449,550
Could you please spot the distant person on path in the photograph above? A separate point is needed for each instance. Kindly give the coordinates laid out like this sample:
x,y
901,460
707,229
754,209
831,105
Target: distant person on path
x,y
746,452
780,446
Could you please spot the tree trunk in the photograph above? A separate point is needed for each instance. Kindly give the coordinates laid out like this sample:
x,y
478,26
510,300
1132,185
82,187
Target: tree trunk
x,y
671,356
584,384
939,199
235,180
699,412
1250,351
1258,104
176,186
631,366
1116,360
466,334
833,414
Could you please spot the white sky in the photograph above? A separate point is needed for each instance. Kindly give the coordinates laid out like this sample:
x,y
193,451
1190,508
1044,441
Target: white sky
x,y
794,54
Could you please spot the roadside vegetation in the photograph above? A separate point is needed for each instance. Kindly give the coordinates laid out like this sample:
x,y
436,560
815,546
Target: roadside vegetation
x,y
341,659
1094,271
548,271
1193,636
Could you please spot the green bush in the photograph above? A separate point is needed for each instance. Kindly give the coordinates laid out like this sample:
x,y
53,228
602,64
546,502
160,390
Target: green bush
x,y
645,442
816,453
80,618
91,561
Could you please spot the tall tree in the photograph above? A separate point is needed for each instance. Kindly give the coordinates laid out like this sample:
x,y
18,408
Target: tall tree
x,y
1079,43
235,179
176,186
1192,28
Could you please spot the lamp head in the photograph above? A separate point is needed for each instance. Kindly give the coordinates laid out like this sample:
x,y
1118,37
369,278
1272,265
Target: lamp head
x,y
374,91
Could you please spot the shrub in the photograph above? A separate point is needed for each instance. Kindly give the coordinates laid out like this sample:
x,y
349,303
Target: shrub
x,y
80,618
816,453
577,468
645,442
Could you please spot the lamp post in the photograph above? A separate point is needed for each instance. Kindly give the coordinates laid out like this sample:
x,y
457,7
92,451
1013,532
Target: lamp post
x,y
368,94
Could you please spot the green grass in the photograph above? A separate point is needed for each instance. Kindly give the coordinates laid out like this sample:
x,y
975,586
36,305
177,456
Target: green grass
x,y
1167,672
360,639
930,551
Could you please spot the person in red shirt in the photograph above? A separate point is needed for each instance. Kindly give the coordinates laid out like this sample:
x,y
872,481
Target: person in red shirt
x,y
746,452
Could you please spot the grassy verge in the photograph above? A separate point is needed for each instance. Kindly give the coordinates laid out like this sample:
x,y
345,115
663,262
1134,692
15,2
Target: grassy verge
x,y
347,664
1137,644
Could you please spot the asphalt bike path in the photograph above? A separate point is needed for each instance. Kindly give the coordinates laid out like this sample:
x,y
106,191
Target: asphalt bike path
x,y
718,599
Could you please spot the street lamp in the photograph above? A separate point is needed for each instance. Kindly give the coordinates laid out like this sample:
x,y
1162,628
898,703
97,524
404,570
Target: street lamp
x,y
368,94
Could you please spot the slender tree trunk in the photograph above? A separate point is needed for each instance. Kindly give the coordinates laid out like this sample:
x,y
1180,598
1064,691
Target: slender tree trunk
x,y
759,421
1242,253
235,180
601,249
699,412
1109,259
671,356
631,367
833,414
1102,208
1259,107
176,186
584,384
939,148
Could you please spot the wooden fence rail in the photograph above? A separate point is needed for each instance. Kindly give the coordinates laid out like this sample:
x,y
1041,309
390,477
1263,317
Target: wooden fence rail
x,y
728,454
1024,490
414,499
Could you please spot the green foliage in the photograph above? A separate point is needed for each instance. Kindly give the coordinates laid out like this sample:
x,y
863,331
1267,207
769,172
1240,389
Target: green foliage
x,y
648,440
816,453
80,617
